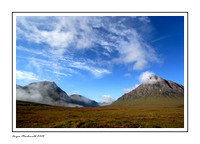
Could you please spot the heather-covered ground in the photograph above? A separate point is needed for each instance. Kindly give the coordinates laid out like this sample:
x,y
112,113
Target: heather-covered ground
x,y
32,115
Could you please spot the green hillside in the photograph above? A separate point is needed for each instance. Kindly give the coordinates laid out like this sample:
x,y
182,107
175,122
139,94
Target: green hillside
x,y
151,101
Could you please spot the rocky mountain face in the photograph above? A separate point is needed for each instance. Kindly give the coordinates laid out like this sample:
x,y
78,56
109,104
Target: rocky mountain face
x,y
156,91
46,92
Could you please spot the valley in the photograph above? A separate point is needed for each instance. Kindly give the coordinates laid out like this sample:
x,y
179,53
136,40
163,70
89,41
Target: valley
x,y
157,103
33,115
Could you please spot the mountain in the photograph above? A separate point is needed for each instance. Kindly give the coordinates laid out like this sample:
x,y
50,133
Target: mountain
x,y
46,92
154,92
81,100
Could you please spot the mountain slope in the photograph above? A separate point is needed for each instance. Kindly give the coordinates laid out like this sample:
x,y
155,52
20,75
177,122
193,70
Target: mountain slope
x,y
46,92
155,92
78,99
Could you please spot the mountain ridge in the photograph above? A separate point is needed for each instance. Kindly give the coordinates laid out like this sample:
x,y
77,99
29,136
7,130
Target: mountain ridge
x,y
46,92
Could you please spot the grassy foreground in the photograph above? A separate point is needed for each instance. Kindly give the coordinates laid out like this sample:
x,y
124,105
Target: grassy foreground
x,y
31,115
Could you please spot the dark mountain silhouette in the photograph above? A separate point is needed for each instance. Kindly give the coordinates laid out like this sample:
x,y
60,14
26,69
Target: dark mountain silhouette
x,y
155,92
46,92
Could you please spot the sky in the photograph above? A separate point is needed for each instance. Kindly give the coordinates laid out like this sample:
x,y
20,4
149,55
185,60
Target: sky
x,y
99,57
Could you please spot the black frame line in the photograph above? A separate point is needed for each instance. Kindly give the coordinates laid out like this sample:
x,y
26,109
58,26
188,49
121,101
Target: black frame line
x,y
96,12
12,71
89,131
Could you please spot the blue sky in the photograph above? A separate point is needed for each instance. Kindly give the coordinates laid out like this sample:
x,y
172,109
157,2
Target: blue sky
x,y
99,57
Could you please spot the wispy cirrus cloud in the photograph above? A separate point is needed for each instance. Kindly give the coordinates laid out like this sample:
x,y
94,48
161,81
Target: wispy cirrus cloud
x,y
73,42
97,72
60,73
36,52
160,38
65,67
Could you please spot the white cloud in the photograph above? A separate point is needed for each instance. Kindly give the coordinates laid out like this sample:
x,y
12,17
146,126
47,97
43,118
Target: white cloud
x,y
31,30
107,99
21,48
54,38
64,32
135,51
144,19
57,39
146,78
24,75
60,73
97,72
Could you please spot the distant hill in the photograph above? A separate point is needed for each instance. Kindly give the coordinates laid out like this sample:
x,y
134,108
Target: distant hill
x,y
46,92
81,100
155,92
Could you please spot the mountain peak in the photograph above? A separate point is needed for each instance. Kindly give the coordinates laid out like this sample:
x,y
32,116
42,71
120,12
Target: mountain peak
x,y
151,80
156,77
43,83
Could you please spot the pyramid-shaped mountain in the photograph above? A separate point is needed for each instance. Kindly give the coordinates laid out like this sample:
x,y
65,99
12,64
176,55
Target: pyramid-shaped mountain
x,y
154,92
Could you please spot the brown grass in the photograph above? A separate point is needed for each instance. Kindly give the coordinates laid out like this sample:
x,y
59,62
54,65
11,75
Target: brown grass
x,y
43,116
